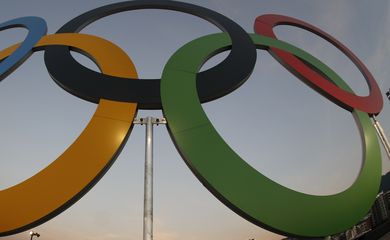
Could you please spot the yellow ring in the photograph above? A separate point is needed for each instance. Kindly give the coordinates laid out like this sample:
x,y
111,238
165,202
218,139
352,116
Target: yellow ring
x,y
72,174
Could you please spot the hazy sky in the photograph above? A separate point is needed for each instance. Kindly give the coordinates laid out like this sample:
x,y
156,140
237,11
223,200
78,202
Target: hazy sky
x,y
280,126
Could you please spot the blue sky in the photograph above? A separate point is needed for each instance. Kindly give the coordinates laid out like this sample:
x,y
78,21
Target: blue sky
x,y
279,125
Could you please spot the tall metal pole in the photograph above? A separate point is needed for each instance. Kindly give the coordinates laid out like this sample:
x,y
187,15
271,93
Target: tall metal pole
x,y
382,136
148,187
148,178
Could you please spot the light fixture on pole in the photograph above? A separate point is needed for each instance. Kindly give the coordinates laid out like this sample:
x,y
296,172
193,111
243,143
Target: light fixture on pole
x,y
32,234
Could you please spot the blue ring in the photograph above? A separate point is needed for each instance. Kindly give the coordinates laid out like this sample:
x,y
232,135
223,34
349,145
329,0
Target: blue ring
x,y
36,27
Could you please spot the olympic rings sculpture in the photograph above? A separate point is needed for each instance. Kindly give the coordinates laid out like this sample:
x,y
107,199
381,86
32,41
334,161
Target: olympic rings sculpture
x,y
179,94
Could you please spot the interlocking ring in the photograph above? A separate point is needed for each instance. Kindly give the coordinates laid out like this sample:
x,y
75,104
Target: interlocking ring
x,y
77,79
82,165
371,104
180,94
237,184
36,29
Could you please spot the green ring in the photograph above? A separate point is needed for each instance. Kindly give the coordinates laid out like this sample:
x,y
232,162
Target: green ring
x,y
237,184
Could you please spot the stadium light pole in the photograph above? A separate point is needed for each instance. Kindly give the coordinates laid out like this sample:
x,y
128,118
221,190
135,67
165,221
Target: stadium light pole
x,y
148,181
32,234
381,133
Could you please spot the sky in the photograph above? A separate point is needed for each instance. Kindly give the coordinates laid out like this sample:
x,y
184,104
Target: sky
x,y
280,126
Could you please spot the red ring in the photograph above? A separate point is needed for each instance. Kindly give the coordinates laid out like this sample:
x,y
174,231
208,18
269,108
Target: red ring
x,y
371,104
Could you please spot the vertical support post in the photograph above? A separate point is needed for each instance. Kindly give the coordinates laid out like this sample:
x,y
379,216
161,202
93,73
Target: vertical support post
x,y
148,187
382,136
148,178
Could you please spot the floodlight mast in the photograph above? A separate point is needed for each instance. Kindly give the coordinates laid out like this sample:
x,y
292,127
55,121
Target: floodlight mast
x,y
148,182
382,136
381,132
32,234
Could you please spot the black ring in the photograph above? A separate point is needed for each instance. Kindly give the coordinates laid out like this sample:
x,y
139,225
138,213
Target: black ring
x,y
92,86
